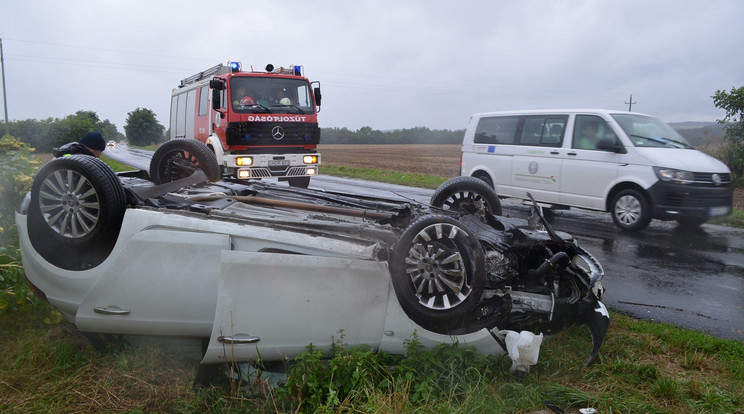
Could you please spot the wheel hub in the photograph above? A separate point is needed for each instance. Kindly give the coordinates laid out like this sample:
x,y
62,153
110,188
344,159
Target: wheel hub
x,y
437,269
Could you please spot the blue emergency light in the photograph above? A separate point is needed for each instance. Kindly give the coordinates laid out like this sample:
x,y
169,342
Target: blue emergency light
x,y
234,66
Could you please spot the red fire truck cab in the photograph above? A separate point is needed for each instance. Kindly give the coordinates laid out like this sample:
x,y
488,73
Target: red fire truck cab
x,y
259,124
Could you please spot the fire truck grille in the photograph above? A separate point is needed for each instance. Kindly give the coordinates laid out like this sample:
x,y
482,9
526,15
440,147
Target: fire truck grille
x,y
272,133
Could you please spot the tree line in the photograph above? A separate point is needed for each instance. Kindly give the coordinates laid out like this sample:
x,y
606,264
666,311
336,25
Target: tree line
x,y
367,135
141,127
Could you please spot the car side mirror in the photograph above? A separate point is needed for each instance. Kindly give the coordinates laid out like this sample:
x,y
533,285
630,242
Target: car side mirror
x,y
611,146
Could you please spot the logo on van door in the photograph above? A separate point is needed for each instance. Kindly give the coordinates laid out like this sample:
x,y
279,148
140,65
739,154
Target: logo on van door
x,y
532,168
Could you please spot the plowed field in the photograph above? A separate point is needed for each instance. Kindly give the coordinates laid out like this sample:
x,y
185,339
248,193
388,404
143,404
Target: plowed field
x,y
442,160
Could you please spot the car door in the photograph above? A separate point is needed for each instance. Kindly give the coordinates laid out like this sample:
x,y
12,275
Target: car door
x,y
273,305
588,172
163,282
537,158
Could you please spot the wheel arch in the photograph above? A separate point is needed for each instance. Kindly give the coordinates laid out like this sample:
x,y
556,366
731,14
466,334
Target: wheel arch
x,y
484,175
624,186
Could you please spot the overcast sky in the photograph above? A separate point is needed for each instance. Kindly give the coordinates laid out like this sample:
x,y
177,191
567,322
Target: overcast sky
x,y
385,64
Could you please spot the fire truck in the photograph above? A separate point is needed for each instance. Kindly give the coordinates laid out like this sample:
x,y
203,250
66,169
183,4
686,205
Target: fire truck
x,y
258,124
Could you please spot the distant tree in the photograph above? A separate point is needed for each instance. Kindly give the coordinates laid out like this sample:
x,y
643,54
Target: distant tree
x,y
142,128
733,103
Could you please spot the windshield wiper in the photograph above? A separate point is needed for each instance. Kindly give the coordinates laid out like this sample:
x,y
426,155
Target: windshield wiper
x,y
290,106
265,108
662,140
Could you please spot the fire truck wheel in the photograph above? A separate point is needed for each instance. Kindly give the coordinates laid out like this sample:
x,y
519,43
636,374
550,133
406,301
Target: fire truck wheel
x,y
299,182
457,192
438,272
179,158
77,206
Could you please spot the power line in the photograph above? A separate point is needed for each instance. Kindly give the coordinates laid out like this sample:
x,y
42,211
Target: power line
x,y
630,103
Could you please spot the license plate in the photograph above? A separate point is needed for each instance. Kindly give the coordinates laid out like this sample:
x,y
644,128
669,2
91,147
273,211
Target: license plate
x,y
718,211
279,163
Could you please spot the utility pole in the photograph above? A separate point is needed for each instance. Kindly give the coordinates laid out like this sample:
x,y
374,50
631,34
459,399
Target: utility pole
x,y
630,103
5,99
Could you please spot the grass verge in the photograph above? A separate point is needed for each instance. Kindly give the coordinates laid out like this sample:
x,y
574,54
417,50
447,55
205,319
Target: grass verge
x,y
116,165
736,219
385,176
643,367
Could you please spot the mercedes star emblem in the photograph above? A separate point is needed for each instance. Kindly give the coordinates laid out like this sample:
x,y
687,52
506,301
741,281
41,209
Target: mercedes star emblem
x,y
277,132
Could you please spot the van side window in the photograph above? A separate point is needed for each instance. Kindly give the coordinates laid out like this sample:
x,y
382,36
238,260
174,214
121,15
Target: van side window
x,y
543,131
496,130
589,130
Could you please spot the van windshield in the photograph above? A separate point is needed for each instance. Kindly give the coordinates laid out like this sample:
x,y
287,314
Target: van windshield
x,y
647,131
270,95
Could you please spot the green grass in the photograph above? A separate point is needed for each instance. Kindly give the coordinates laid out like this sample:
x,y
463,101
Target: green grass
x,y
736,219
643,367
116,165
385,176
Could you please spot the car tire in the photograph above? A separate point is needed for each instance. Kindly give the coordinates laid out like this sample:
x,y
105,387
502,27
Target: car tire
x,y
299,182
179,158
691,222
630,210
458,191
438,273
77,207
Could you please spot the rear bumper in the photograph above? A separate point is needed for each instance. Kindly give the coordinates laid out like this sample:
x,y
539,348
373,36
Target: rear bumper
x,y
670,201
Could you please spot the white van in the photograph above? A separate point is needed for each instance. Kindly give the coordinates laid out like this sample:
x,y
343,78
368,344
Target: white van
x,y
630,164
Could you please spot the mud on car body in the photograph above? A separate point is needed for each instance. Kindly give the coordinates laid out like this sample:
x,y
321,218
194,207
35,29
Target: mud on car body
x,y
259,269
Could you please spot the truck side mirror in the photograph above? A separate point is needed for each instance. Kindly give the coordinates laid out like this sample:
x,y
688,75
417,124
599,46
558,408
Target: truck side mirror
x,y
316,92
216,99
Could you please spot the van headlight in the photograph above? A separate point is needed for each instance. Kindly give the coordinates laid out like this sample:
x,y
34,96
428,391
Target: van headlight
x,y
671,175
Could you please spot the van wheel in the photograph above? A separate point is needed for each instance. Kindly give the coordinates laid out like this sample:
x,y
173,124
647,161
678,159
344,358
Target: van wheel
x,y
459,191
630,210
179,158
486,179
438,272
77,207
299,182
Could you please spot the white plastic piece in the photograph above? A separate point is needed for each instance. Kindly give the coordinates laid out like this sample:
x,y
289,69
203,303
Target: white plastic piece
x,y
523,349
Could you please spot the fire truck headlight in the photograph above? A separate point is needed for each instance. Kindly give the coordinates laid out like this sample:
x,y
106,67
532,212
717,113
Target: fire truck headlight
x,y
244,174
244,161
310,159
311,171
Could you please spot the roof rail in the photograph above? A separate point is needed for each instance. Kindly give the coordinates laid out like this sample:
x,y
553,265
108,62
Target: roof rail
x,y
214,70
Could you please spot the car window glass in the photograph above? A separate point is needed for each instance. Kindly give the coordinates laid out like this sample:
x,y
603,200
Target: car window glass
x,y
496,130
543,131
589,130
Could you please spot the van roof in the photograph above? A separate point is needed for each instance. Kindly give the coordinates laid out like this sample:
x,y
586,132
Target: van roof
x,y
558,111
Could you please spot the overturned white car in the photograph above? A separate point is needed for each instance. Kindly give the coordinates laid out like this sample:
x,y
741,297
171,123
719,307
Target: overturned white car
x,y
258,269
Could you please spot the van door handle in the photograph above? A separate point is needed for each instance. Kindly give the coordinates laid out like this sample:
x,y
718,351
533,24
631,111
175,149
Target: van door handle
x,y
238,339
571,153
554,152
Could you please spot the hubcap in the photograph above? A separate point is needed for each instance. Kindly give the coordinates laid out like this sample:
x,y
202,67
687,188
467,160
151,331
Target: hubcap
x,y
69,203
628,210
436,268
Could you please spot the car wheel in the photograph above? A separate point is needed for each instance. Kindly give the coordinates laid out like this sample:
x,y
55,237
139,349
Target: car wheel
x,y
691,221
299,182
460,191
438,272
630,210
179,158
77,206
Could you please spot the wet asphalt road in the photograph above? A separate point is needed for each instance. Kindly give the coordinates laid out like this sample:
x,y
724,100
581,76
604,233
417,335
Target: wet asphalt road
x,y
691,278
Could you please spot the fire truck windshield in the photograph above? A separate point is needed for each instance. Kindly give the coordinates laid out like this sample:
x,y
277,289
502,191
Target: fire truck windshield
x,y
270,94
